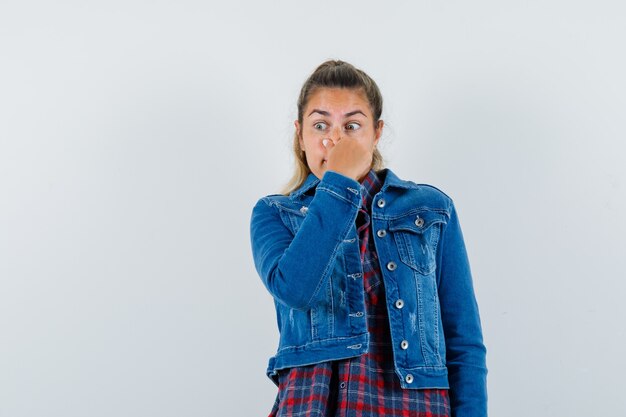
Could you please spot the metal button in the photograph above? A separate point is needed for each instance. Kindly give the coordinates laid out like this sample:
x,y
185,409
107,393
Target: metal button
x,y
399,303
342,385
419,222
408,378
382,233
359,314
381,203
404,344
391,266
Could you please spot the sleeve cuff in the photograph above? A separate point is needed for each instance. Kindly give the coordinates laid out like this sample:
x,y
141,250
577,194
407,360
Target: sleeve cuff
x,y
344,187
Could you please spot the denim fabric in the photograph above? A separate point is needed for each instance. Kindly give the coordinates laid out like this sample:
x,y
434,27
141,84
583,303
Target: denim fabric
x,y
306,251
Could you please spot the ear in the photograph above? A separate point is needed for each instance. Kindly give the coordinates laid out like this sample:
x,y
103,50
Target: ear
x,y
378,131
296,123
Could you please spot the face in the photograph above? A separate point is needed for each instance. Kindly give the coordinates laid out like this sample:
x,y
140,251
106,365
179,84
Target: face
x,y
335,113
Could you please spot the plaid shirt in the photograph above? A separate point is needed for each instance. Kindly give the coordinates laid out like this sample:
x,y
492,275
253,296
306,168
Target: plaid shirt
x,y
365,385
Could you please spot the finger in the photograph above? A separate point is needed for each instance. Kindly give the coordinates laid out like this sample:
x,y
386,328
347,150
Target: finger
x,y
327,143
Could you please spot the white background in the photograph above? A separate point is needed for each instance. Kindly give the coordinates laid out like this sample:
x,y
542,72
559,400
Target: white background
x,y
135,137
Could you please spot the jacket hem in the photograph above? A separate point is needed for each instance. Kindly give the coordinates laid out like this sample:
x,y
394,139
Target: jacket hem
x,y
322,351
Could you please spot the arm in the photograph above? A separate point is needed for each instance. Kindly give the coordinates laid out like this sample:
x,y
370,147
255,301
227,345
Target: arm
x,y
295,268
465,351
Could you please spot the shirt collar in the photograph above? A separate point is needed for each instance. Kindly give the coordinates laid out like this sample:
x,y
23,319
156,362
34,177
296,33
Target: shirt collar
x,y
369,187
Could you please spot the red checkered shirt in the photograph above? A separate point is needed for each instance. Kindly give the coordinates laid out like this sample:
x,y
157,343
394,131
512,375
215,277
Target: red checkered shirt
x,y
366,385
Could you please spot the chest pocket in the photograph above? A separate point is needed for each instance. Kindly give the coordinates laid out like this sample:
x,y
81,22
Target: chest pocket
x,y
416,236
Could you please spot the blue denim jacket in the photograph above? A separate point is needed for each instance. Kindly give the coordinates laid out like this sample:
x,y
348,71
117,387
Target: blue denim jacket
x,y
306,251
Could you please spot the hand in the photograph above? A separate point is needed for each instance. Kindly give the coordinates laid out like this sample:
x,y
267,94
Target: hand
x,y
350,157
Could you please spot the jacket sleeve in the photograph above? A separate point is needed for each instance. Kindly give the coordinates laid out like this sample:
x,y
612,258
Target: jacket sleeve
x,y
465,351
295,268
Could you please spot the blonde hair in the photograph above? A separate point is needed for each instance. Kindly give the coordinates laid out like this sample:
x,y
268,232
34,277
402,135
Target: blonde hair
x,y
333,74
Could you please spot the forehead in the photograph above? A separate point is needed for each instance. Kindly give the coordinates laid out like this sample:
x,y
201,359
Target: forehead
x,y
342,100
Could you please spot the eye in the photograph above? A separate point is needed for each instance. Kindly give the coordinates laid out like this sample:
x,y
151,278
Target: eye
x,y
319,126
353,126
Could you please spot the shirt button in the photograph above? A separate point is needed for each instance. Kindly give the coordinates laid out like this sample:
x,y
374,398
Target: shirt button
x,y
404,344
342,385
382,233
381,203
391,266
399,303
419,222
409,378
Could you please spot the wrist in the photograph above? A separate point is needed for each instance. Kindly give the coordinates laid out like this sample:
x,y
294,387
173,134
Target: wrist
x,y
345,172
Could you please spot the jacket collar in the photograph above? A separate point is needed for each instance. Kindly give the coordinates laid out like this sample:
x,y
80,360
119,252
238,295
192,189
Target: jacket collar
x,y
311,181
389,178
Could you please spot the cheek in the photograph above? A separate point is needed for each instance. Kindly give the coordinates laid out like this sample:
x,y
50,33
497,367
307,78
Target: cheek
x,y
314,143
367,135
312,134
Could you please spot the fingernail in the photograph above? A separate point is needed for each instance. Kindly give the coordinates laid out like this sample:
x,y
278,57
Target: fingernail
x,y
325,142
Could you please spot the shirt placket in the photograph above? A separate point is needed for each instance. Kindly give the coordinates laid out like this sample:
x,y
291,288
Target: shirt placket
x,y
362,223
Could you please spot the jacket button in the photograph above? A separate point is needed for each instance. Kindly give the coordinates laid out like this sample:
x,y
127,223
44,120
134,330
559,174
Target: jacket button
x,y
409,378
399,303
391,266
381,203
419,222
404,344
382,233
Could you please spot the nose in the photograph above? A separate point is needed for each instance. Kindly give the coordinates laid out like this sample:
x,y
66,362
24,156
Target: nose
x,y
335,134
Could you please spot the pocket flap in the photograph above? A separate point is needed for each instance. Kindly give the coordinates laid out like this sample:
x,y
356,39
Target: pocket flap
x,y
417,222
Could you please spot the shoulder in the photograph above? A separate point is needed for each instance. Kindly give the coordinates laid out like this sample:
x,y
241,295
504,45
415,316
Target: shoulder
x,y
273,199
279,202
423,193
432,190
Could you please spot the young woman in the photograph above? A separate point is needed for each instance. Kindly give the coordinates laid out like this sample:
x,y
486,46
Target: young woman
x,y
369,273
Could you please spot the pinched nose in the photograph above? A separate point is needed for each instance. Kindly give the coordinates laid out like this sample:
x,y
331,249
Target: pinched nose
x,y
335,134
327,141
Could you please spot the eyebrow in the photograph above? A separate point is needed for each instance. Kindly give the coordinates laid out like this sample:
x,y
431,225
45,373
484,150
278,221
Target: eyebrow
x,y
325,113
